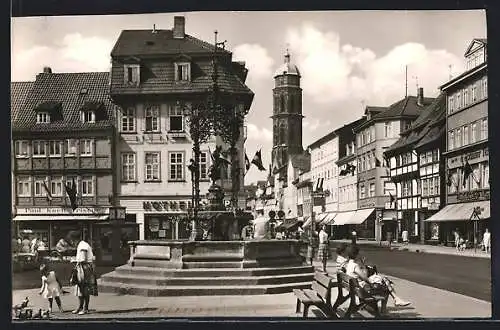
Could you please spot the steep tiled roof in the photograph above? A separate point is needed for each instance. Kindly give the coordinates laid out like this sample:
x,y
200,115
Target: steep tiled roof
x,y
161,42
73,91
432,135
158,77
421,127
18,94
405,107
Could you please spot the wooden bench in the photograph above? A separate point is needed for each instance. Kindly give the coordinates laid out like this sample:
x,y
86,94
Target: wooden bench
x,y
368,302
319,295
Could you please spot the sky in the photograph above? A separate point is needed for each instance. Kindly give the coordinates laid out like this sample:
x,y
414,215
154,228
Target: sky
x,y
347,59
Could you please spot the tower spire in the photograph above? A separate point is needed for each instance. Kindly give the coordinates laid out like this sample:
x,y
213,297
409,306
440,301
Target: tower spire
x,y
287,54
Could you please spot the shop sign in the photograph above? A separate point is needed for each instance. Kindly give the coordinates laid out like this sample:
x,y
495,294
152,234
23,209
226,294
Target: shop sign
x,y
366,203
470,196
165,205
61,210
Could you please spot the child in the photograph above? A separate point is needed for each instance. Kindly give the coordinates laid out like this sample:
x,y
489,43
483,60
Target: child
x,y
341,259
51,287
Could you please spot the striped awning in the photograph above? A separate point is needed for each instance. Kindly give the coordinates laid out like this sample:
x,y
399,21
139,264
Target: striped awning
x,y
343,218
329,219
360,216
460,212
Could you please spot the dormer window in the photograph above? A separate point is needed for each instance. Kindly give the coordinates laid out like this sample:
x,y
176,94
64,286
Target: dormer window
x,y
88,116
132,74
182,71
43,118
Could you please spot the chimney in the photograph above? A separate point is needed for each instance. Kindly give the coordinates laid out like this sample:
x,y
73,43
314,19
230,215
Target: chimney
x,y
179,27
420,97
47,69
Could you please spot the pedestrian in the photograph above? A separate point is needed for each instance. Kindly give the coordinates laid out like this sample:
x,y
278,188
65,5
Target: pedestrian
x,y
404,236
389,238
371,283
51,287
83,276
457,239
323,249
487,240
354,236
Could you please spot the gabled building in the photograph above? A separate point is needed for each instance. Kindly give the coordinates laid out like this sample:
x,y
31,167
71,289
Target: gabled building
x,y
380,130
64,134
467,151
347,178
157,78
417,170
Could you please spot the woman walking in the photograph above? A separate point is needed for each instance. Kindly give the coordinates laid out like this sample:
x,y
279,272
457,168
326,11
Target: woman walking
x,y
323,249
83,276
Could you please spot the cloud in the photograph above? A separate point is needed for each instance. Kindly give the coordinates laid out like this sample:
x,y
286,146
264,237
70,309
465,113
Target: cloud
x,y
75,53
259,134
258,61
333,72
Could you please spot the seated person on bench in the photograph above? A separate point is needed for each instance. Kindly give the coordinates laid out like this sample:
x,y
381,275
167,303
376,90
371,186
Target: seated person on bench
x,y
341,258
373,283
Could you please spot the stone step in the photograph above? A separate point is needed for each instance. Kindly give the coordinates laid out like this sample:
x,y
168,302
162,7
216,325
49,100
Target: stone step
x,y
205,281
155,290
213,257
211,264
213,272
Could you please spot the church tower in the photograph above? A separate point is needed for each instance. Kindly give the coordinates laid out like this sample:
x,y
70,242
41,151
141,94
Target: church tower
x,y
287,113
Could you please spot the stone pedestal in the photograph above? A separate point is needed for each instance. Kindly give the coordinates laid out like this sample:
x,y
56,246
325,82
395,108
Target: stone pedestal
x,y
215,198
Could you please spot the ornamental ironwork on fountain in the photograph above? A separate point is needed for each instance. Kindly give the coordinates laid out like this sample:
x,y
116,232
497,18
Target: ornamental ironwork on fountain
x,y
214,116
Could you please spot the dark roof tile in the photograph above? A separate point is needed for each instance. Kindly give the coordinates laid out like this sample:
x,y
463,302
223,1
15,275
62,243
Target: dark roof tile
x,y
18,94
73,91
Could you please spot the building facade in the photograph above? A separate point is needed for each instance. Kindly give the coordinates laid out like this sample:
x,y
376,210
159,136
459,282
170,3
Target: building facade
x,y
158,78
347,179
380,130
416,169
64,135
467,152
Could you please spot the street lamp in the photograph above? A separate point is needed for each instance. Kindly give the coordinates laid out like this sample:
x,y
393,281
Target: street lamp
x,y
117,216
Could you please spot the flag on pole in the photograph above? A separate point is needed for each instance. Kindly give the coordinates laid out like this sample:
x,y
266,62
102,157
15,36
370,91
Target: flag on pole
x,y
449,180
467,171
71,191
257,160
392,198
226,157
377,162
47,191
247,163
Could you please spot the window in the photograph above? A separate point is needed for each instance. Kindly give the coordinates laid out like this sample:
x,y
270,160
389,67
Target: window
x,y
484,129
472,133
435,155
458,137
88,116
69,182
372,133
176,166
466,96
128,120
182,71
474,93
430,182
176,118
86,147
406,188
371,193
459,100
55,148
87,186
23,186
466,135
436,186
39,187
475,177
485,87
43,118
39,149
450,104
429,156
22,148
454,181
423,159
152,119
128,167
152,166
56,188
362,191
477,130
70,147
203,162
486,175
132,74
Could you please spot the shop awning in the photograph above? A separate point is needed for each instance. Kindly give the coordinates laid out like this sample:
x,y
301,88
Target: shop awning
x,y
328,220
320,217
58,217
460,212
307,221
360,216
343,218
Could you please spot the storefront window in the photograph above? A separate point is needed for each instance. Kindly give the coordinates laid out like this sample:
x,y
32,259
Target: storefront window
x,y
65,237
167,227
